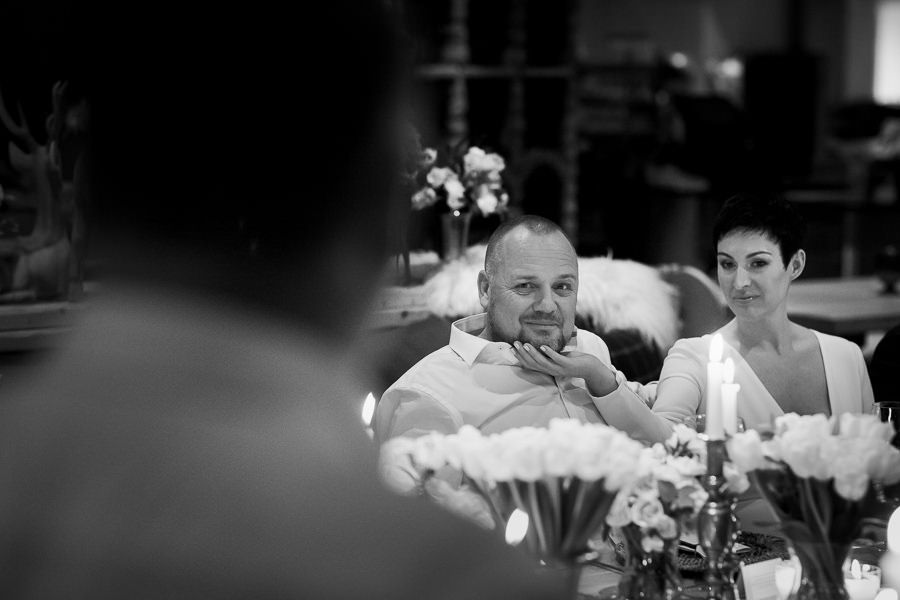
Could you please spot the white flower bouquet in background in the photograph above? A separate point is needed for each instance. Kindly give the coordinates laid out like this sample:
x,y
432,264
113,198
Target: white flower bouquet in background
x,y
470,179
817,475
564,478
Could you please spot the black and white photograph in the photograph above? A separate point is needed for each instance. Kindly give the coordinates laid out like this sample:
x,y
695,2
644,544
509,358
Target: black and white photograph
x,y
450,299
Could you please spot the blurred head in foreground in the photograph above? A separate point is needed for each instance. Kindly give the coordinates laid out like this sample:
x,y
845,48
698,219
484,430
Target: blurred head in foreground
x,y
199,434
264,161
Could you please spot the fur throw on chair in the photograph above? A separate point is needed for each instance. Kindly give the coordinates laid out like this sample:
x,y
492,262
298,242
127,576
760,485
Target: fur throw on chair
x,y
612,294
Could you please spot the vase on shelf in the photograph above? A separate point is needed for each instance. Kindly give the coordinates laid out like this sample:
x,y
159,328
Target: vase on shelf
x,y
648,574
455,234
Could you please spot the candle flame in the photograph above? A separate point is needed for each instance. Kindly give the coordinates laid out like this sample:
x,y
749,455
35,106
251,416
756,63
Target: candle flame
x,y
887,594
716,348
855,569
893,532
516,527
368,409
728,371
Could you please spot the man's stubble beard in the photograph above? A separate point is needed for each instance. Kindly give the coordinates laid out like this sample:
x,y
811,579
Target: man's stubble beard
x,y
557,343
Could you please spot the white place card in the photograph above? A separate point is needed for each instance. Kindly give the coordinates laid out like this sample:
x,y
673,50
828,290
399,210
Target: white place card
x,y
759,580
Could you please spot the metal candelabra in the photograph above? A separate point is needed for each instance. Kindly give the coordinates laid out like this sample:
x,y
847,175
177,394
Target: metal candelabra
x,y
717,528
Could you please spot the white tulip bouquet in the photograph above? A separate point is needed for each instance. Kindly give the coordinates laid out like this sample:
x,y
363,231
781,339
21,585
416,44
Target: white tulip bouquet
x,y
564,478
817,475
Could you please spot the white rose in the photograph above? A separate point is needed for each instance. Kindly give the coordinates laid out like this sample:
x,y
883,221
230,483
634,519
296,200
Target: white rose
x,y
668,473
652,544
646,510
487,203
690,493
437,176
495,162
424,198
687,466
473,159
455,193
682,434
666,527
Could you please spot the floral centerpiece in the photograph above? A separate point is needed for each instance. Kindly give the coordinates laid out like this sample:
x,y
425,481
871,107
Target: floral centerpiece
x,y
817,475
564,478
659,506
470,179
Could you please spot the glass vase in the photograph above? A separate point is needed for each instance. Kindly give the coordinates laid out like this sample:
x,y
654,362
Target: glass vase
x,y
455,234
647,575
821,571
818,525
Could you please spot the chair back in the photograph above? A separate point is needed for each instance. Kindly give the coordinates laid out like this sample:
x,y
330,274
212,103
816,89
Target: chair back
x,y
702,307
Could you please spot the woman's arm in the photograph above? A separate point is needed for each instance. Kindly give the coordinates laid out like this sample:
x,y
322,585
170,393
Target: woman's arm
x,y
681,382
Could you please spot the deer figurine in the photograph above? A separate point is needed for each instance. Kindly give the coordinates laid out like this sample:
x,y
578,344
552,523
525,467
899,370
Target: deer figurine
x,y
37,264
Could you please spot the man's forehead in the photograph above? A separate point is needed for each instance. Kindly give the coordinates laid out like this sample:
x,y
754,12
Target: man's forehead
x,y
532,254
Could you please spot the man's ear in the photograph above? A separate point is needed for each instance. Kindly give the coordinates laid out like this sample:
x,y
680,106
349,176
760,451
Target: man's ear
x,y
797,264
483,289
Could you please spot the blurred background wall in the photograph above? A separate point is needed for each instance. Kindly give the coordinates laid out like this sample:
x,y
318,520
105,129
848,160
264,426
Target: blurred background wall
x,y
630,121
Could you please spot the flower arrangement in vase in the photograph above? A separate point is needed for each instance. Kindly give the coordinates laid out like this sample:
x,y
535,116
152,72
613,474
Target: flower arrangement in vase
x,y
564,478
470,179
817,475
658,507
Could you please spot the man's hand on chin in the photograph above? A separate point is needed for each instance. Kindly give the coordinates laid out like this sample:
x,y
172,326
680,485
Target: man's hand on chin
x,y
599,378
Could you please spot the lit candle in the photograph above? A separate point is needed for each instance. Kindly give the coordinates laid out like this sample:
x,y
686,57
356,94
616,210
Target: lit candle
x,y
862,584
516,527
890,562
368,411
729,398
714,427
785,576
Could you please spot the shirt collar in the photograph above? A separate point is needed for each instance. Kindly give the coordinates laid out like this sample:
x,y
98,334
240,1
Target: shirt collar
x,y
465,342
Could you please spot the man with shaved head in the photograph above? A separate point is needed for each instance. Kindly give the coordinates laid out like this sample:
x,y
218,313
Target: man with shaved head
x,y
522,362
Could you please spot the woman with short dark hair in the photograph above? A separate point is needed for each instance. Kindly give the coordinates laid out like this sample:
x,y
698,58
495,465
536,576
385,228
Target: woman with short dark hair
x,y
781,366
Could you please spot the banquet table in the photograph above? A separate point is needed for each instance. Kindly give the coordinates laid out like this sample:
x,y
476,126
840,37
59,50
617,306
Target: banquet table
x,y
849,307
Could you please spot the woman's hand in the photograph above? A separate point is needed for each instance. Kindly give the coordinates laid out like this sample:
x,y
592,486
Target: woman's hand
x,y
598,377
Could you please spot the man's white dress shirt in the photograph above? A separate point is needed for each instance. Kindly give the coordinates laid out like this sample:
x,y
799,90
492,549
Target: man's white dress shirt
x,y
477,382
